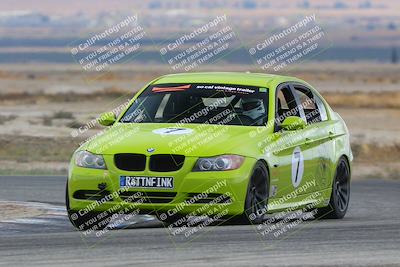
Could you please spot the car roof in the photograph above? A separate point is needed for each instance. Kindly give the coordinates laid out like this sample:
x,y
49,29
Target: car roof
x,y
239,78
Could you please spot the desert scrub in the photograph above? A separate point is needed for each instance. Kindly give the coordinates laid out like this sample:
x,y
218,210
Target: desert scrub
x,y
74,124
4,119
63,115
47,121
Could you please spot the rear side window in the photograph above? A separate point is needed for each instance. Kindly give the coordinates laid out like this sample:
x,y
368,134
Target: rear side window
x,y
321,108
314,109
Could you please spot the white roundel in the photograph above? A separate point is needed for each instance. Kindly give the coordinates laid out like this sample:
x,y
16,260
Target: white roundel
x,y
297,166
172,131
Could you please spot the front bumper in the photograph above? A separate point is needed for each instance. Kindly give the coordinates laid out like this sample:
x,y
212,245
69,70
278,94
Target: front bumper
x,y
223,190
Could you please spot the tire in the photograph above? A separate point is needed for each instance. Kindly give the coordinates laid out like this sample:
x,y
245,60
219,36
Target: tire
x,y
340,196
255,206
81,222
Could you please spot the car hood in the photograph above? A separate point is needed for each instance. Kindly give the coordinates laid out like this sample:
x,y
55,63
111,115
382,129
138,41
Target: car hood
x,y
186,139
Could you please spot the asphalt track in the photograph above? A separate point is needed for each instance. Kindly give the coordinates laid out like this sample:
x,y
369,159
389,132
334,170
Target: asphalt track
x,y
368,236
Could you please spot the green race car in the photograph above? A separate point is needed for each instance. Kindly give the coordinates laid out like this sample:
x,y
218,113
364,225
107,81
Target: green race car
x,y
232,146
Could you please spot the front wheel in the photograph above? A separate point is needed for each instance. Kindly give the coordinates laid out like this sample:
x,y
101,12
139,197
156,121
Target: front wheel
x,y
256,198
340,195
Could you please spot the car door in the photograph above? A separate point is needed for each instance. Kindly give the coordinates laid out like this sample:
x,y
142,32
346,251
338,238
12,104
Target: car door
x,y
321,131
292,153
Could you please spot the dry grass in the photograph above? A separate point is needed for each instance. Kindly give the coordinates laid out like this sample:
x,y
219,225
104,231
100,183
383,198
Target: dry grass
x,y
376,153
346,100
29,149
364,100
40,98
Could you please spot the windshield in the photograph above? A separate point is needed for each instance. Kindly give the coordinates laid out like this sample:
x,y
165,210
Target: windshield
x,y
200,103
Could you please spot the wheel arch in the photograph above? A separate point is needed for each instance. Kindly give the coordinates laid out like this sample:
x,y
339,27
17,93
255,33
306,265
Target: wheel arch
x,y
347,158
266,165
263,161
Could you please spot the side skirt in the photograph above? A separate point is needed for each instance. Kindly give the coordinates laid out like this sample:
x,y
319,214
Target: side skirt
x,y
316,199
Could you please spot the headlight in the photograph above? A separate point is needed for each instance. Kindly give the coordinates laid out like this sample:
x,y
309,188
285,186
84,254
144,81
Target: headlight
x,y
86,159
219,163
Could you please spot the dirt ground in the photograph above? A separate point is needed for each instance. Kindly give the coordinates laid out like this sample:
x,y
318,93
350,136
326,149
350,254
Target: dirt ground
x,y
13,210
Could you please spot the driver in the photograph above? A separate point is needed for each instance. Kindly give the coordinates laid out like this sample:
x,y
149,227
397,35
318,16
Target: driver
x,y
253,108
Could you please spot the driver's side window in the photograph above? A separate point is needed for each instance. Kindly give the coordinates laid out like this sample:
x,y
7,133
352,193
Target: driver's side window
x,y
285,105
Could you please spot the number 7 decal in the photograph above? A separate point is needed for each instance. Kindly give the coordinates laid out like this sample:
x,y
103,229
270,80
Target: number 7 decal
x,y
297,166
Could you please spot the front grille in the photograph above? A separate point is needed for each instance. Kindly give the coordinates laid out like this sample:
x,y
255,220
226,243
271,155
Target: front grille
x,y
91,194
198,198
147,197
130,162
166,163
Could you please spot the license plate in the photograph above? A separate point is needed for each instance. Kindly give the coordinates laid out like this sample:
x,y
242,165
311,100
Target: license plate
x,y
146,182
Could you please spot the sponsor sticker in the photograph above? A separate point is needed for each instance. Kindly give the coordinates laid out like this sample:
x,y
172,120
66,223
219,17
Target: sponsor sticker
x,y
226,88
172,131
170,89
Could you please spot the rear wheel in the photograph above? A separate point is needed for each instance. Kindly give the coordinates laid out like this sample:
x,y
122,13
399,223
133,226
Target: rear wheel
x,y
256,198
340,196
90,220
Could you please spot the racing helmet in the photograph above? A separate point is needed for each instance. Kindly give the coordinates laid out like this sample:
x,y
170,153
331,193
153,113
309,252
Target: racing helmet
x,y
253,107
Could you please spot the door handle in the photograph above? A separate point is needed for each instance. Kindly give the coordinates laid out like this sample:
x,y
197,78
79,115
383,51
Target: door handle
x,y
331,135
308,140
